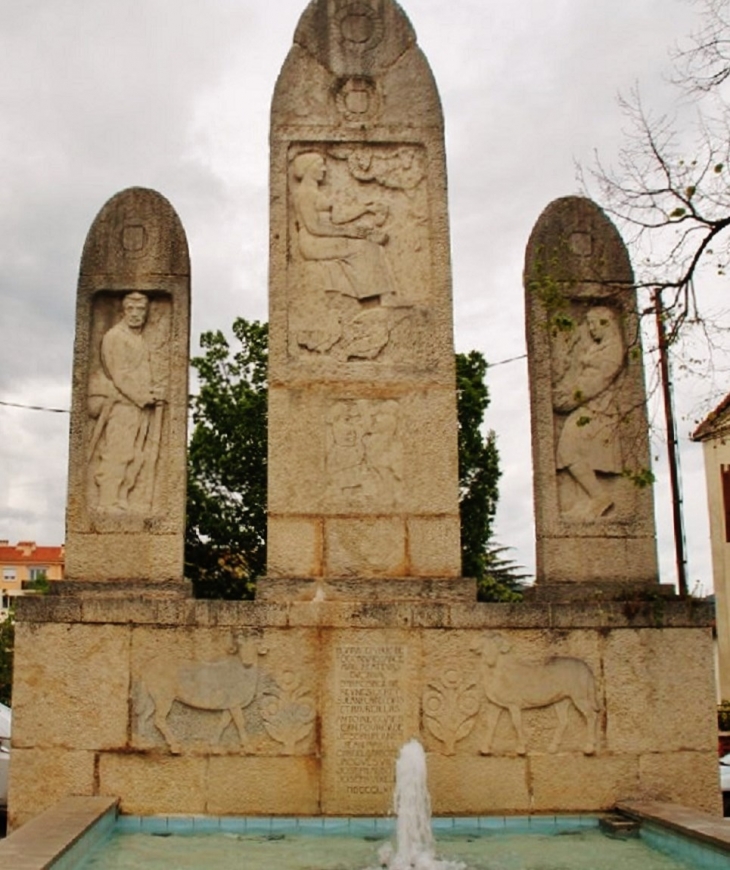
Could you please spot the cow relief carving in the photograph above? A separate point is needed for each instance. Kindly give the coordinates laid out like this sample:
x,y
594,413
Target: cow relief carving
x,y
515,685
236,687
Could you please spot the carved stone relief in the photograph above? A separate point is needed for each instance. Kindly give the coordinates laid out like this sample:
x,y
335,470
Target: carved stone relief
x,y
450,707
127,392
288,711
587,361
234,688
358,244
364,452
515,685
360,26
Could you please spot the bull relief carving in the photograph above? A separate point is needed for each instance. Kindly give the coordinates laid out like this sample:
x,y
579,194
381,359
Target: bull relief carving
x,y
587,362
126,403
236,687
364,453
515,685
358,247
450,707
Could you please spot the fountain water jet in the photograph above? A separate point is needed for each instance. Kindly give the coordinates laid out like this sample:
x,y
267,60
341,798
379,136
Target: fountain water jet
x,y
415,847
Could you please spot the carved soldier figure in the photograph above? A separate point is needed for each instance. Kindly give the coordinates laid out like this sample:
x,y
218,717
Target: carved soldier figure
x,y
127,404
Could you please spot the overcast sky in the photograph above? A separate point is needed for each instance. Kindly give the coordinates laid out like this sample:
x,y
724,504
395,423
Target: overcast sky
x,y
100,95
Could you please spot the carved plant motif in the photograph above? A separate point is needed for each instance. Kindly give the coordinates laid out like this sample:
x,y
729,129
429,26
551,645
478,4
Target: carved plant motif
x,y
288,711
450,707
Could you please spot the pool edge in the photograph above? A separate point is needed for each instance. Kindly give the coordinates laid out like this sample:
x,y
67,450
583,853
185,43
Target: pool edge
x,y
48,840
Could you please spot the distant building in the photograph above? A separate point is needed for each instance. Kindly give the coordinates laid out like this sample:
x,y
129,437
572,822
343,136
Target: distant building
x,y
24,564
714,434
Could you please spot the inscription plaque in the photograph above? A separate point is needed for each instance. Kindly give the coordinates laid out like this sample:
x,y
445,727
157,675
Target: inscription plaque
x,y
371,721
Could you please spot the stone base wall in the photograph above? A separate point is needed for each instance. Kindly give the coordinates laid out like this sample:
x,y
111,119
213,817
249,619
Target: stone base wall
x,y
299,708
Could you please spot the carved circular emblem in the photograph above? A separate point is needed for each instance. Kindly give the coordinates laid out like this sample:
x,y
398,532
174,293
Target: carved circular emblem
x,y
357,99
134,239
581,244
360,26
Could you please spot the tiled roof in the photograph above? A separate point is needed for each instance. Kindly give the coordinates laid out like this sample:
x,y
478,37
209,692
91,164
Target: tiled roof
x,y
714,423
28,553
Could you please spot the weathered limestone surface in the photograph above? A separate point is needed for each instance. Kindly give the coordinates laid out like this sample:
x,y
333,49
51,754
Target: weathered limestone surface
x,y
125,517
301,707
594,514
364,635
362,418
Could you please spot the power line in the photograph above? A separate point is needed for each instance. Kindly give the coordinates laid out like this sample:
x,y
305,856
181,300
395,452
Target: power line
x,y
34,407
66,410
505,361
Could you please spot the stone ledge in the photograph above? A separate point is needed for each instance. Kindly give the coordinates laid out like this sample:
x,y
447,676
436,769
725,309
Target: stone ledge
x,y
44,839
123,588
714,830
569,592
138,610
397,589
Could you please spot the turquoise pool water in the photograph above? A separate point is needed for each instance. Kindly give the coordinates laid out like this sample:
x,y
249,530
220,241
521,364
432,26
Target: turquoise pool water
x,y
535,843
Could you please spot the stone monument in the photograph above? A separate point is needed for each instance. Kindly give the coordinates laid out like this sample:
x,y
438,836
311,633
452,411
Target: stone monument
x,y
362,416
363,635
594,510
127,461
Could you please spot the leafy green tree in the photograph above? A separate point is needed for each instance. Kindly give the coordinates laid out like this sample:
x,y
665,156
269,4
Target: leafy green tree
x,y
7,639
479,475
226,524
504,579
225,541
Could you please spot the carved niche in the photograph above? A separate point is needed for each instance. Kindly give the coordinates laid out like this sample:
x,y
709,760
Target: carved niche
x,y
359,246
127,399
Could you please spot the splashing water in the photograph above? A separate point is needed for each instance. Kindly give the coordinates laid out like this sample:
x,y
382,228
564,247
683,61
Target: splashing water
x,y
414,839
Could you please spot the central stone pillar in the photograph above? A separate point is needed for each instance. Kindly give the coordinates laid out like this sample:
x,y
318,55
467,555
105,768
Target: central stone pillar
x,y
363,465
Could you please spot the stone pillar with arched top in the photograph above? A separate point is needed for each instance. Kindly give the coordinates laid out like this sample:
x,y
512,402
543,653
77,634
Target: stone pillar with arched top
x,y
594,508
125,519
362,414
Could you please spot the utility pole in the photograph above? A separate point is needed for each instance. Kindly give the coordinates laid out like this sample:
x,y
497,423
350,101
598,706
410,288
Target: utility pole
x,y
672,454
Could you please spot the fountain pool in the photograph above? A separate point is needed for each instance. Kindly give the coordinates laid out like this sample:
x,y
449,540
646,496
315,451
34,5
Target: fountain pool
x,y
89,835
533,843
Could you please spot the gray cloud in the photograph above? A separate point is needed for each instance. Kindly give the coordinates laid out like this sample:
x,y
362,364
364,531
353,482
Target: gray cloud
x,y
97,95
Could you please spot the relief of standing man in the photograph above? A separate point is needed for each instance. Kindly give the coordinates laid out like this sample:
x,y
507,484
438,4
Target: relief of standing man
x,y
126,400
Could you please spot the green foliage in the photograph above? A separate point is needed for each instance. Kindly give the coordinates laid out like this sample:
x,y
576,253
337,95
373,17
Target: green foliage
x,y
479,475
7,639
225,541
548,284
225,547
504,579
641,477
723,716
41,584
